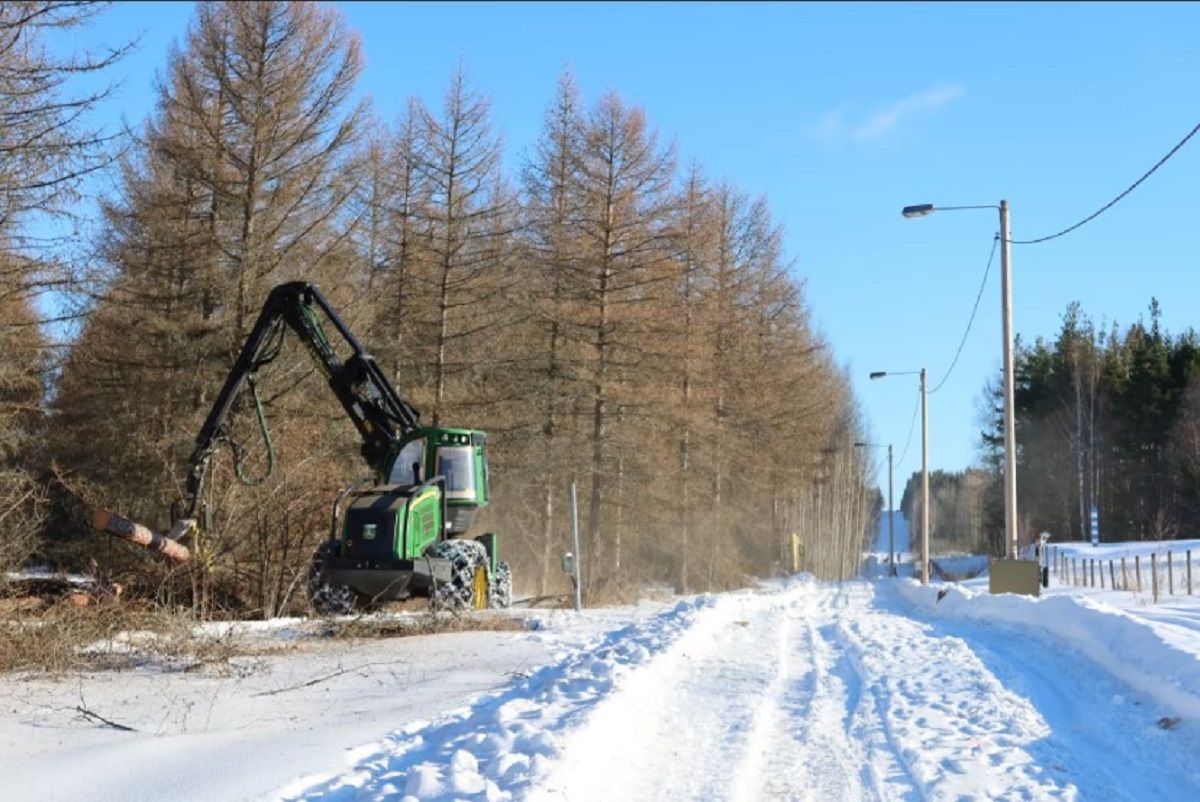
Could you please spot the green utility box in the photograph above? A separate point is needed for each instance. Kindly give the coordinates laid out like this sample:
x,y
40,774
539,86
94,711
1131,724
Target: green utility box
x,y
1015,576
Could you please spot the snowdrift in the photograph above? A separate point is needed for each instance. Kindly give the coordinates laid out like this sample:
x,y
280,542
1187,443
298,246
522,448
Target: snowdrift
x,y
1142,653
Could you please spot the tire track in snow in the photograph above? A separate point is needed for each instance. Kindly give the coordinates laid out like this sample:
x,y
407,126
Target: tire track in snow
x,y
672,730
797,750
888,767
938,715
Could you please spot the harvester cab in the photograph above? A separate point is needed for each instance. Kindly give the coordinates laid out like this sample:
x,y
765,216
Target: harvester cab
x,y
405,536
459,456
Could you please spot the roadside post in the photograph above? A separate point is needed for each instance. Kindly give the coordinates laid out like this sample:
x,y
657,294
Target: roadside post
x,y
1044,558
571,560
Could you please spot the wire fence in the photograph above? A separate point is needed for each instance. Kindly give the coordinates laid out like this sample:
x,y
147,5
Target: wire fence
x,y
1166,574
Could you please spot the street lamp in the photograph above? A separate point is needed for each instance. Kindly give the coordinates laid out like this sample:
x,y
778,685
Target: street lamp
x,y
891,508
879,374
1010,431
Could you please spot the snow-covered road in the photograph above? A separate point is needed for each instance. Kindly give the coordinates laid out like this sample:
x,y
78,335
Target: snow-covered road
x,y
795,690
803,691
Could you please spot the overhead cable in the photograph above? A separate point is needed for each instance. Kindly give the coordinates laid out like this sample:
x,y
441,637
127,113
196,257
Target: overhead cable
x,y
911,426
1115,200
978,297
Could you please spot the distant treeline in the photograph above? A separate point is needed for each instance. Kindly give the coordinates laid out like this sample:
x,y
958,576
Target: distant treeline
x,y
962,515
1105,417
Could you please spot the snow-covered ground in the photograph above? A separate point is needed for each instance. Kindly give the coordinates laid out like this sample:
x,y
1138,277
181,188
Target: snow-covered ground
x,y
796,690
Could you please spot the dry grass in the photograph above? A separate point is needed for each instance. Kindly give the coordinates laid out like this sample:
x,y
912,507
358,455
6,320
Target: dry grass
x,y
427,623
37,635
66,638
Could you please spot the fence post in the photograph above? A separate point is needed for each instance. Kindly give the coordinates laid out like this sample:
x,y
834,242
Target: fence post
x,y
1124,575
1092,570
1102,574
1137,572
1189,571
1154,576
1170,576
1112,576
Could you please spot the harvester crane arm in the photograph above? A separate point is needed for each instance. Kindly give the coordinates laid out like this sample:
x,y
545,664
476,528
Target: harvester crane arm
x,y
381,416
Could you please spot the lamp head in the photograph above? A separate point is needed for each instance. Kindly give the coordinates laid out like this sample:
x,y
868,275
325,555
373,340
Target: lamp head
x,y
920,210
878,374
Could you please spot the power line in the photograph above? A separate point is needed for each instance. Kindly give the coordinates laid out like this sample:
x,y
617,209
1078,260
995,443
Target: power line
x,y
1115,200
911,426
967,333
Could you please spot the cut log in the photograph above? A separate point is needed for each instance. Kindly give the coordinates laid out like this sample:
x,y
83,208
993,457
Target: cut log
x,y
113,524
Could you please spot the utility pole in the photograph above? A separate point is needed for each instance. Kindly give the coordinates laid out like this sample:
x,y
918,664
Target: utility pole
x,y
924,483
1010,431
879,374
891,520
1010,427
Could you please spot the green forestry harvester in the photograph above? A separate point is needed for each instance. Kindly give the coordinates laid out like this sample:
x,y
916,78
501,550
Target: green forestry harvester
x,y
400,533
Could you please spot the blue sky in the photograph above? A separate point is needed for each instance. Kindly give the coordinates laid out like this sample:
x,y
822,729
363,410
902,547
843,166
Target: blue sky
x,y
841,114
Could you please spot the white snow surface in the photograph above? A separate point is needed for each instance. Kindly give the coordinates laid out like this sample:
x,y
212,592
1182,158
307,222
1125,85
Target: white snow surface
x,y
796,690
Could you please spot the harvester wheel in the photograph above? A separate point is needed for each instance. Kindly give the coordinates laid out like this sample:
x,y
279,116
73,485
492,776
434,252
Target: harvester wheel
x,y
501,590
325,596
465,557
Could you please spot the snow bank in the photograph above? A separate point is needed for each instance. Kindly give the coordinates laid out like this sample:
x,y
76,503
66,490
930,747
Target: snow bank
x,y
501,744
1137,651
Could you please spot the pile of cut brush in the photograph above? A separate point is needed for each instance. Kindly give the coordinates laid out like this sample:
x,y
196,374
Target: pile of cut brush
x,y
34,590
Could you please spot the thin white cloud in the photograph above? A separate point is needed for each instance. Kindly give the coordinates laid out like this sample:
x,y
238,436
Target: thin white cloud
x,y
830,128
833,127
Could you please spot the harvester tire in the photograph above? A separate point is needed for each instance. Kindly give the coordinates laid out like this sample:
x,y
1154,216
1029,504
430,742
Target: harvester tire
x,y
465,556
325,596
500,596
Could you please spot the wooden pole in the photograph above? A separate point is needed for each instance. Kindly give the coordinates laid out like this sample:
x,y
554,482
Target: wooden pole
x,y
1112,575
113,524
1102,574
1189,571
1170,576
1154,576
1137,571
1092,571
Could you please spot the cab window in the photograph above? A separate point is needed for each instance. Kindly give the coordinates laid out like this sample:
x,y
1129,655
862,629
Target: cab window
x,y
455,464
406,470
